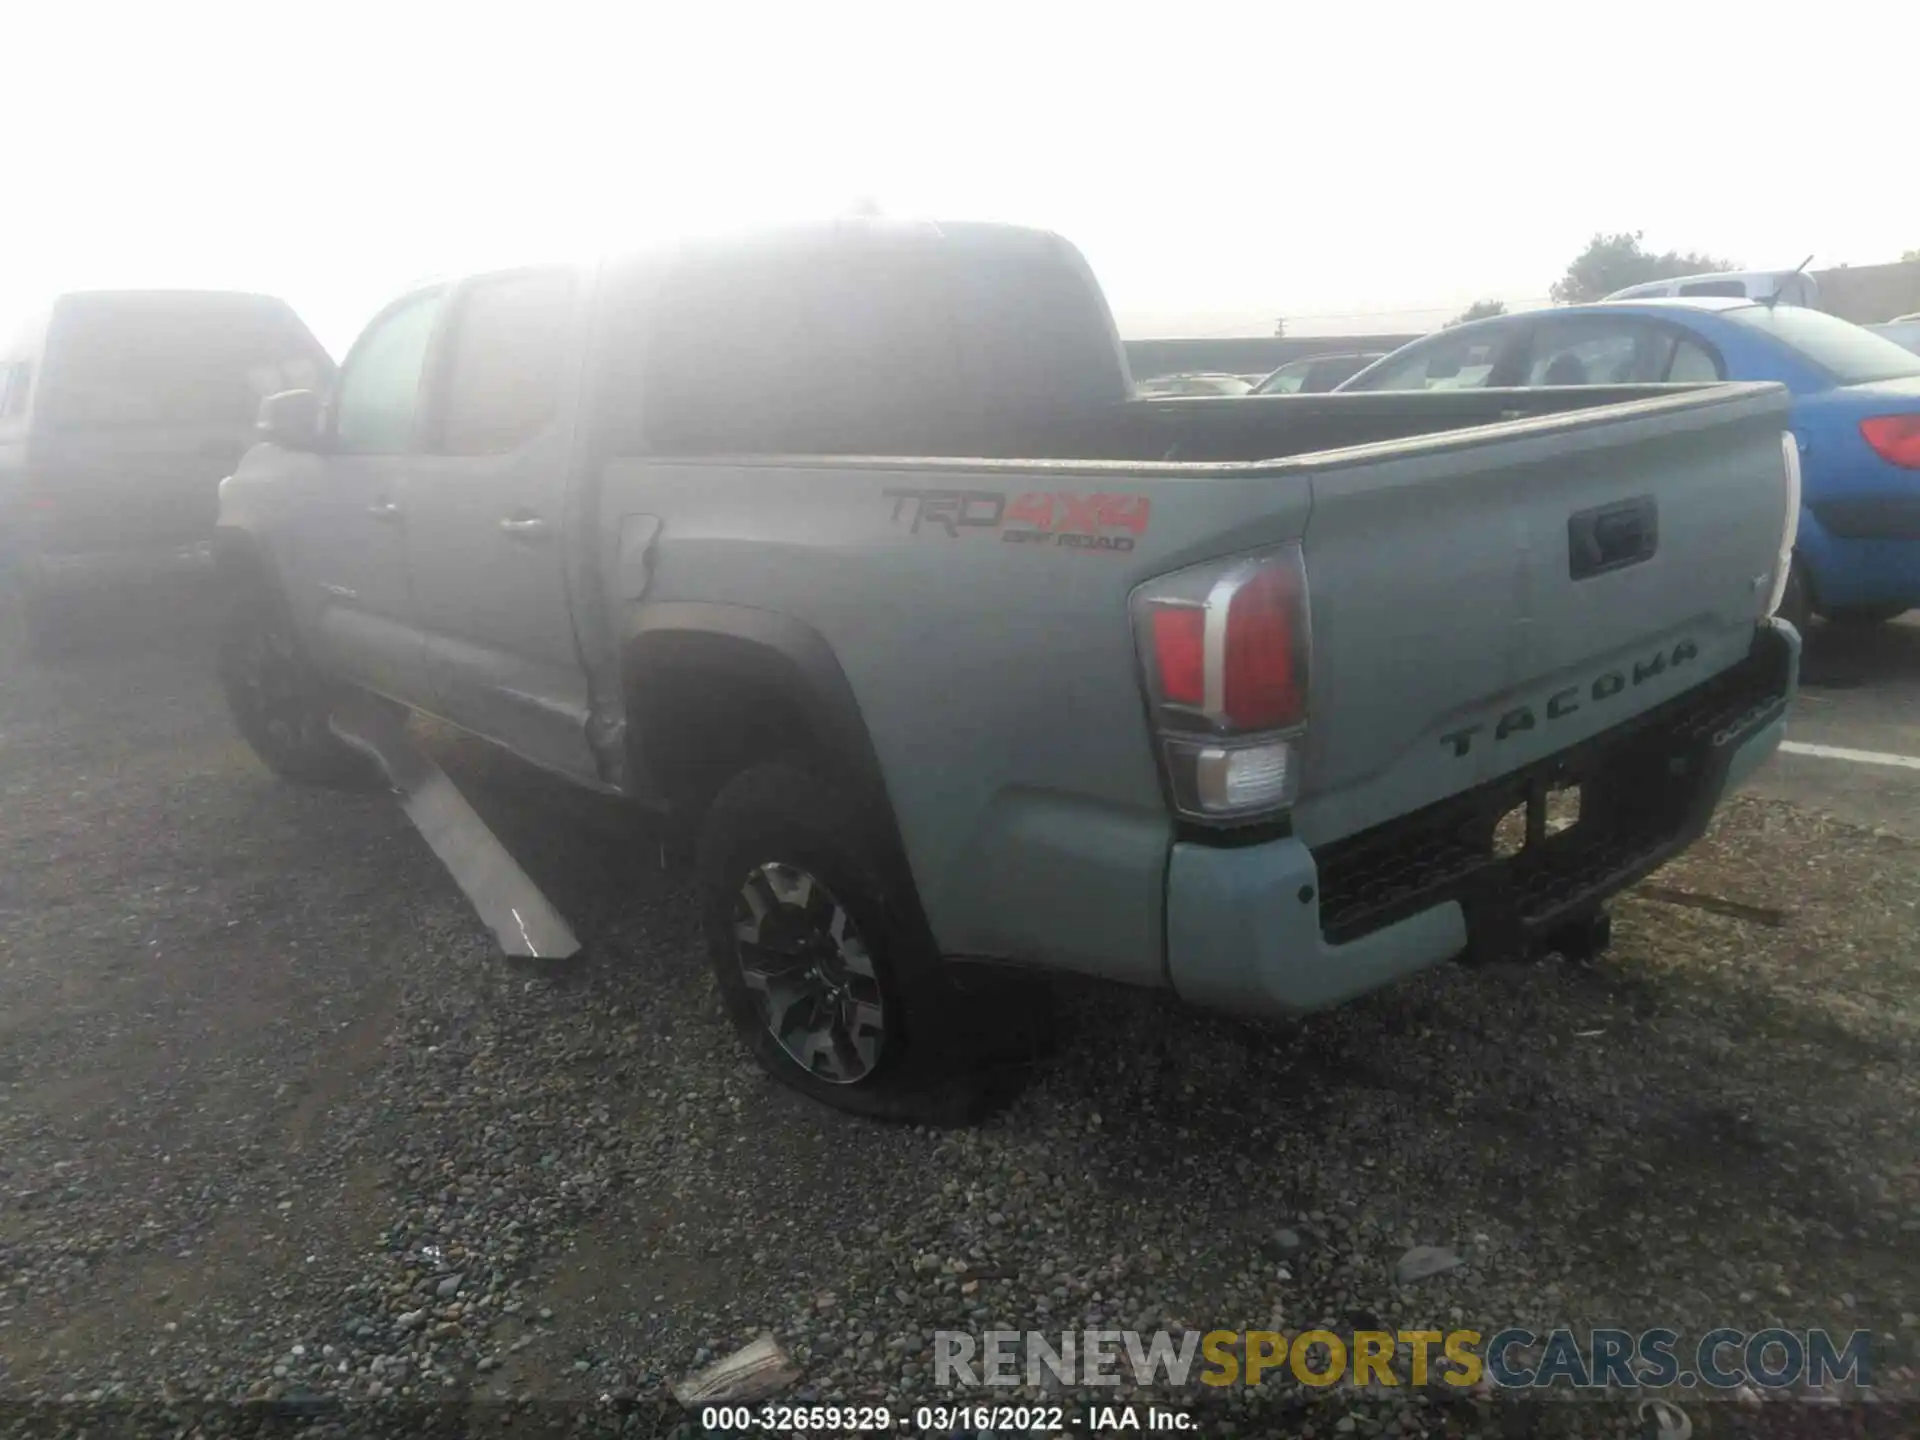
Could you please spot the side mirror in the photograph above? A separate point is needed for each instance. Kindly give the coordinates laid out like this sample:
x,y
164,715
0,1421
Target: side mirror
x,y
291,420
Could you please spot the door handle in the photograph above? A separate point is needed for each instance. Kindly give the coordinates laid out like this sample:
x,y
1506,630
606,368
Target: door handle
x,y
524,527
384,510
1612,537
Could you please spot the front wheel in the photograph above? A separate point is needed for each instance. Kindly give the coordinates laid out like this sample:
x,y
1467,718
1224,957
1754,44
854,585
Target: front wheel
x,y
280,702
825,966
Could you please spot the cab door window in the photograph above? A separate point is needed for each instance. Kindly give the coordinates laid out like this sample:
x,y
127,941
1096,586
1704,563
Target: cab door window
x,y
377,405
505,362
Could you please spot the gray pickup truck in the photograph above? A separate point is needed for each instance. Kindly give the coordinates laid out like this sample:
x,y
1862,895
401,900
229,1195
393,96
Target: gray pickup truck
x,y
852,545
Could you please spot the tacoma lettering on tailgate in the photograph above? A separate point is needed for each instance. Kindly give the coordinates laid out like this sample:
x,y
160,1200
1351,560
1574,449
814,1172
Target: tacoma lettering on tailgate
x,y
1036,517
1563,703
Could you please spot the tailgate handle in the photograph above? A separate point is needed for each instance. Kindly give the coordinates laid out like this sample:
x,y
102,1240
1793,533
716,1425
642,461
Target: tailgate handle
x,y
1612,537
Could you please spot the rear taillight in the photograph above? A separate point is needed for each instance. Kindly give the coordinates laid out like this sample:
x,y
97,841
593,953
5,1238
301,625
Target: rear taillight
x,y
1261,690
1179,652
1224,648
1895,438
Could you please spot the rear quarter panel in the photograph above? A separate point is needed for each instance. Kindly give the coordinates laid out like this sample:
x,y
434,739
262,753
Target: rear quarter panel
x,y
997,677
1839,465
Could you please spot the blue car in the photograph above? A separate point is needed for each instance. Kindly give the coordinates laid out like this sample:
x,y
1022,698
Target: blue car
x,y
1856,415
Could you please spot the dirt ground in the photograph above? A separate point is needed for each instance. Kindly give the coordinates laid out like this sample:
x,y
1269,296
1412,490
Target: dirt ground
x,y
276,1124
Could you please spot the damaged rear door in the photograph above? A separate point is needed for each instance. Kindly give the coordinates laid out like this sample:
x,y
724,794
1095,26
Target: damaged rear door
x,y
485,499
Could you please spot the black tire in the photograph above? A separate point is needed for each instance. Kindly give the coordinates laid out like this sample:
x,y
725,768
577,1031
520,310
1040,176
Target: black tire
x,y
278,699
797,861
1796,602
1864,616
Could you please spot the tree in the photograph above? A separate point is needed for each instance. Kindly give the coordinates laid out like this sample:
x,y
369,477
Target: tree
x,y
1478,310
1280,329
1910,257
1613,262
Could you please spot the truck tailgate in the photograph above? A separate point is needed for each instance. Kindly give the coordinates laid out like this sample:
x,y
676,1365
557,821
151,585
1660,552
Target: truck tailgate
x,y
1485,600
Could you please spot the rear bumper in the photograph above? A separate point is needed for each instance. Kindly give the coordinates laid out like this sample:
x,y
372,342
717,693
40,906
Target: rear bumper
x,y
1870,517
1277,928
1864,552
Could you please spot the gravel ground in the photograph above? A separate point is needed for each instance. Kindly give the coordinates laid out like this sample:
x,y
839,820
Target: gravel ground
x,y
276,1124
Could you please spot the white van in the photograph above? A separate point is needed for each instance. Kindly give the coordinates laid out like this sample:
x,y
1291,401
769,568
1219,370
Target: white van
x,y
1793,287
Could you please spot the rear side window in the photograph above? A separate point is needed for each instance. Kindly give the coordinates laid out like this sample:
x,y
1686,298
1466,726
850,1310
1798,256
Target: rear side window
x,y
876,344
505,362
378,402
1034,331
797,351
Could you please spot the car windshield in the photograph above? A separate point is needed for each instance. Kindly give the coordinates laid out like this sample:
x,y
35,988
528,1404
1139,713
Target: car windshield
x,y
1850,354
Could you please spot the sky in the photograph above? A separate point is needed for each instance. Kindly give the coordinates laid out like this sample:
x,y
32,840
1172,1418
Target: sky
x,y
1350,168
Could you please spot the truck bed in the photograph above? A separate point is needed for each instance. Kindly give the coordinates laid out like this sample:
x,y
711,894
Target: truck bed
x,y
1188,429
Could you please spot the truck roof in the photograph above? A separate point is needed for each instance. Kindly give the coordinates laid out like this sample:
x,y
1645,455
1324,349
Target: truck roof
x,y
166,293
798,237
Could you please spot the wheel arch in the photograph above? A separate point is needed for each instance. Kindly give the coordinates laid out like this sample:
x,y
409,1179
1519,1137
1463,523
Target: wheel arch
x,y
710,688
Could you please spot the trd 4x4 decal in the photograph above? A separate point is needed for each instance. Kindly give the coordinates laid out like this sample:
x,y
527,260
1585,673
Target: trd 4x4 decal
x,y
1036,517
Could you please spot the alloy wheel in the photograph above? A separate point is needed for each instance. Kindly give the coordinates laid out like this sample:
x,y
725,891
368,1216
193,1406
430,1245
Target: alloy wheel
x,y
807,968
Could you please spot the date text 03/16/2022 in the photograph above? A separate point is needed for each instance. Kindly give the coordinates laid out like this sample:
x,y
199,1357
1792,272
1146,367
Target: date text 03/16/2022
x,y
945,1420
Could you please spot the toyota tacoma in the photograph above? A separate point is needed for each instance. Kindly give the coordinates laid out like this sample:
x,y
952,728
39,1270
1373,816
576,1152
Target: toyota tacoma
x,y
852,546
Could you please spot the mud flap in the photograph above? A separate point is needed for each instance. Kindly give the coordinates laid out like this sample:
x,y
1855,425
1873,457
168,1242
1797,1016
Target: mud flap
x,y
500,891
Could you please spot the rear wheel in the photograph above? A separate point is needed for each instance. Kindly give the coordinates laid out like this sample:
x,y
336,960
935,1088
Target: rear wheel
x,y
825,966
279,700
